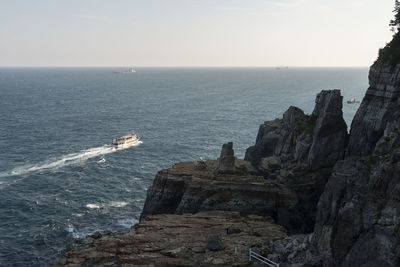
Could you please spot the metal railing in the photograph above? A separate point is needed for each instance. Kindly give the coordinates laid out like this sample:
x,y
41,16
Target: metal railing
x,y
256,256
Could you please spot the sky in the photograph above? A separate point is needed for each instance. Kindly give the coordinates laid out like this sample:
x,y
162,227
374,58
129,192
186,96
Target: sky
x,y
193,32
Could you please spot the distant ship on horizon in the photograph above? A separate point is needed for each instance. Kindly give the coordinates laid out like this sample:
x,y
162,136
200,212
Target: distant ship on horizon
x,y
282,67
130,71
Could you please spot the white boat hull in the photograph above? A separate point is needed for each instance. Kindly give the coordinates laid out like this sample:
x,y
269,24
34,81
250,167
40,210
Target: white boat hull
x,y
126,145
126,141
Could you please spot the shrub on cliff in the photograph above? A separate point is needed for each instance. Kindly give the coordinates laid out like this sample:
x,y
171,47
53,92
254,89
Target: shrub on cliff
x,y
395,23
391,52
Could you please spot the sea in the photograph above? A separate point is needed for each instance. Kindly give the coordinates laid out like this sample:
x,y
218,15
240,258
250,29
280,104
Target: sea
x,y
59,177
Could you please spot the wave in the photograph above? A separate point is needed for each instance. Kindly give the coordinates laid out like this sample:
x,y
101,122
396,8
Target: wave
x,y
124,223
76,234
114,204
127,223
66,160
93,206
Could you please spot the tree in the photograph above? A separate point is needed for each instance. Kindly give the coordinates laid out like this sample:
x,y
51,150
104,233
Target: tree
x,y
390,54
395,23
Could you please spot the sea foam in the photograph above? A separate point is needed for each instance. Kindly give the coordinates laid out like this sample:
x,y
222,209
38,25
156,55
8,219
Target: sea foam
x,y
62,161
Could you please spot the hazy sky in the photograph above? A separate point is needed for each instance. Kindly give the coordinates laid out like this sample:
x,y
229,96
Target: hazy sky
x,y
193,32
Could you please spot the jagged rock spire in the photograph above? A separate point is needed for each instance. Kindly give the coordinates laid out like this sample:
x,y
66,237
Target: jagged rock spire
x,y
226,162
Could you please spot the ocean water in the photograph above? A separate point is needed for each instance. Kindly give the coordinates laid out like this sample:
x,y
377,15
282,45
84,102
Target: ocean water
x,y
59,178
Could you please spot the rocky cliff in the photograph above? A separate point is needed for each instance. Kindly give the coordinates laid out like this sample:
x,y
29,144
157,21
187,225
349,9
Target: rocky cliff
x,y
300,141
379,107
291,162
304,171
186,189
358,213
358,218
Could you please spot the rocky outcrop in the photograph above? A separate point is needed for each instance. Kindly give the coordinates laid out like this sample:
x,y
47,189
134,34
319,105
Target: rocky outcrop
x,y
293,157
358,218
290,199
379,106
226,162
290,251
302,141
297,162
176,240
330,131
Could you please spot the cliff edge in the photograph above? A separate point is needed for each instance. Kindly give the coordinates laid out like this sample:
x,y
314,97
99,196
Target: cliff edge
x,y
203,239
337,194
358,217
282,176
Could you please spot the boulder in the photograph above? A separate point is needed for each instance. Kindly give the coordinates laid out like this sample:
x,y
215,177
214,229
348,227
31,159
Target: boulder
x,y
214,243
232,230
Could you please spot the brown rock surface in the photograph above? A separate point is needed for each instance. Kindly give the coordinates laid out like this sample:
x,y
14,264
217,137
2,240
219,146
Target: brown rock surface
x,y
175,240
290,199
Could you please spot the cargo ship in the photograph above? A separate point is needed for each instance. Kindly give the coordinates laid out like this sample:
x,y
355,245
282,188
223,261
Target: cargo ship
x,y
129,71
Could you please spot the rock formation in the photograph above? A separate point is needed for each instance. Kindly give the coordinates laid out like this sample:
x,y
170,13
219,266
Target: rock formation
x,y
226,162
293,156
358,218
379,106
291,201
176,240
302,141
330,130
304,171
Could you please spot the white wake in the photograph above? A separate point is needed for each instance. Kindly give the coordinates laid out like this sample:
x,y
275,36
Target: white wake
x,y
66,160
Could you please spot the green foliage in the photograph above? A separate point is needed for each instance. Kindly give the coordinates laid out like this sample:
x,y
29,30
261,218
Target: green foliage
x,y
396,21
390,54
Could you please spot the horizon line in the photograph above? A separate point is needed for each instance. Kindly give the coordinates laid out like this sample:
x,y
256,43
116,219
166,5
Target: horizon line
x,y
161,66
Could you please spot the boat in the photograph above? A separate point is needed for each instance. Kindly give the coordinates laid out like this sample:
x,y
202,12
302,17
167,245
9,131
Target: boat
x,y
125,141
282,67
353,101
129,71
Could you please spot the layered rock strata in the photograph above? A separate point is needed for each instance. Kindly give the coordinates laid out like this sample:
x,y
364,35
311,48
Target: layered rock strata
x,y
293,158
358,218
291,199
176,240
379,107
